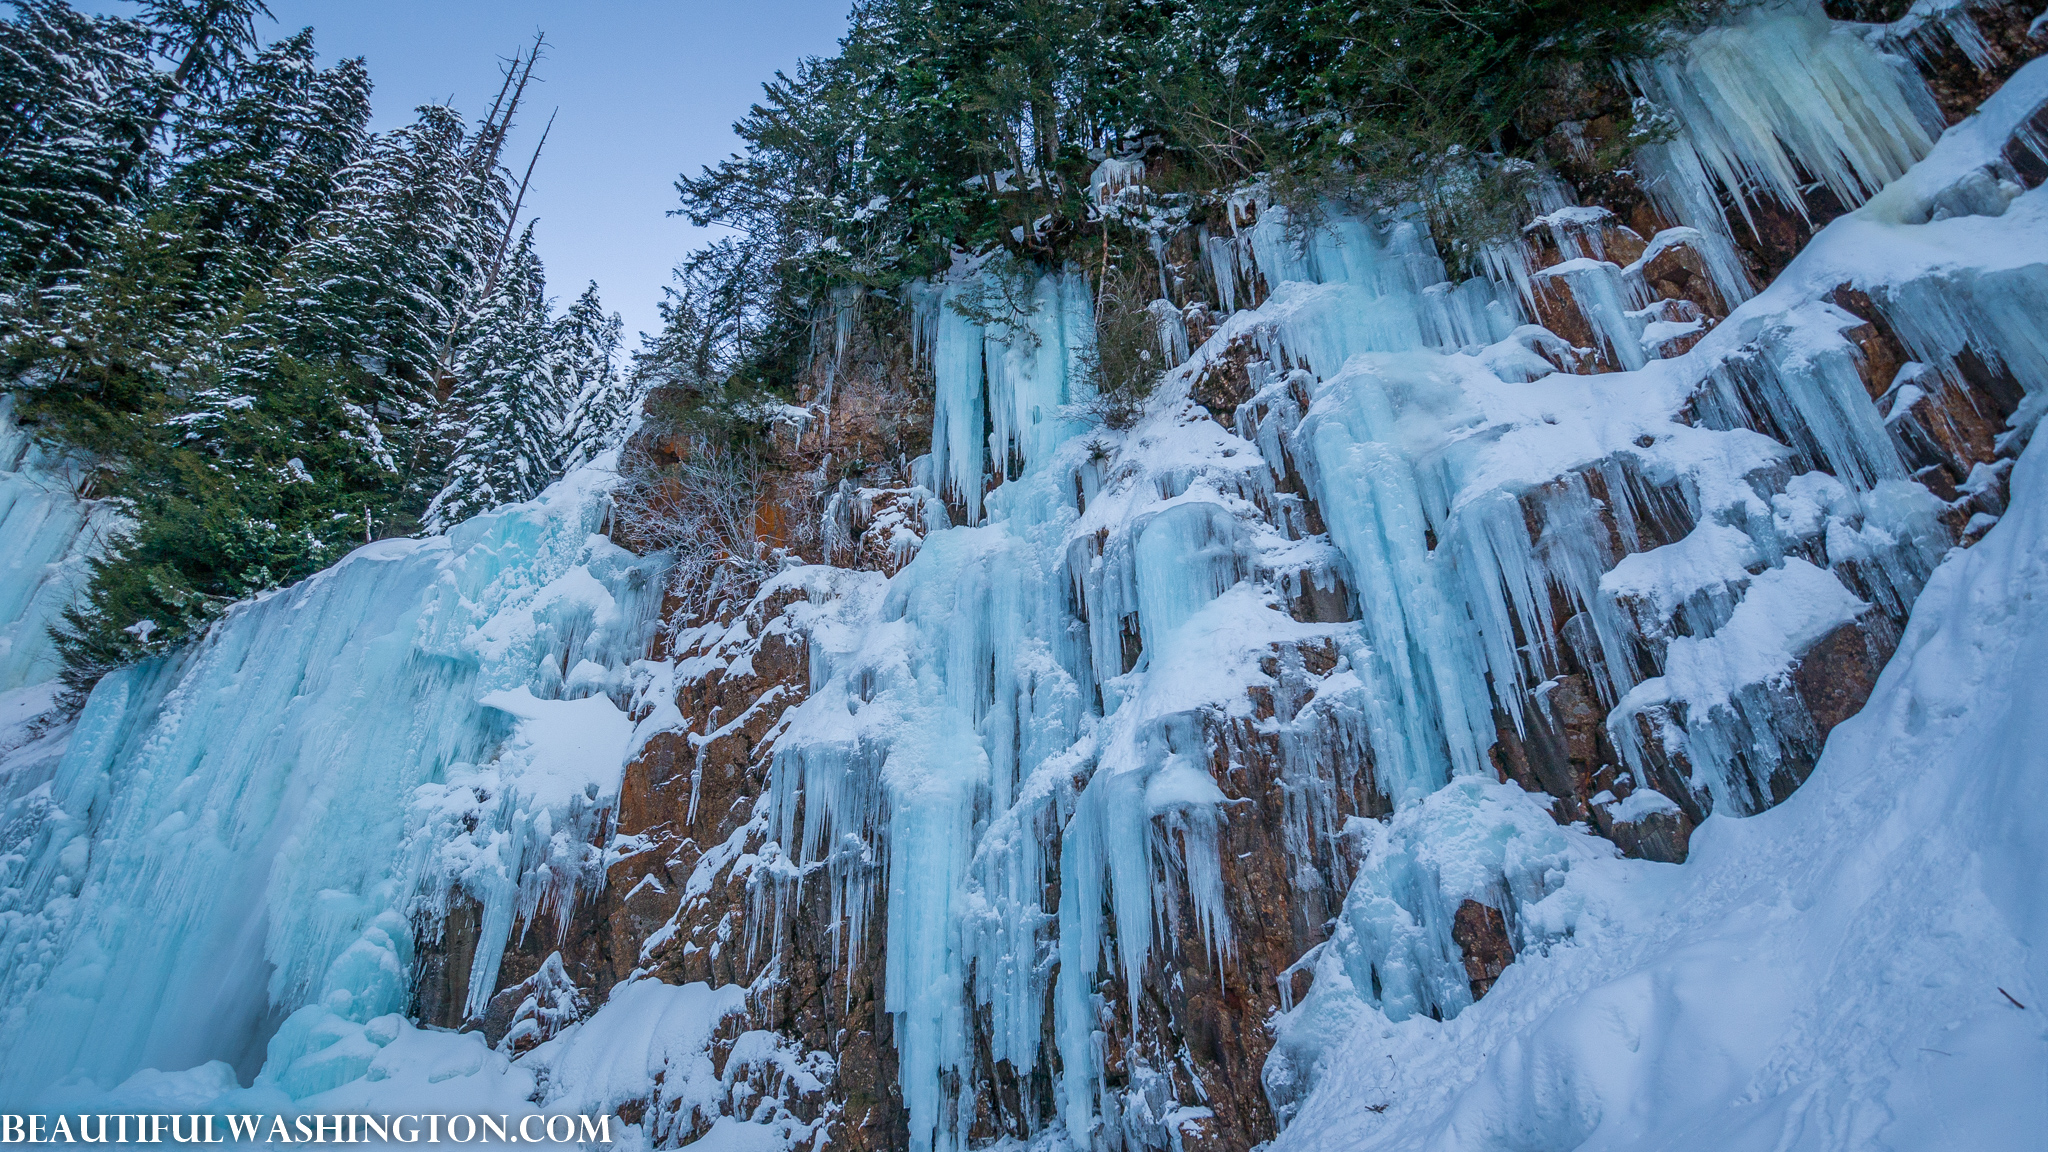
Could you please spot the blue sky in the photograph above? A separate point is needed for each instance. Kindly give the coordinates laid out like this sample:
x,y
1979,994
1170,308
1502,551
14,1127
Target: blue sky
x,y
647,89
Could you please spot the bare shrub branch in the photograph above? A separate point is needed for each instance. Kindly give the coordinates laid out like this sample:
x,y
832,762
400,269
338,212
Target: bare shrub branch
x,y
701,511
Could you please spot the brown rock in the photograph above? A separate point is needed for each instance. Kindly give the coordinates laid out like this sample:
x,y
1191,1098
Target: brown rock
x,y
2024,152
1946,427
535,1009
1481,934
1199,1022
1558,309
1769,233
1960,83
1664,837
1679,272
1224,382
1835,677
1562,749
1879,351
442,957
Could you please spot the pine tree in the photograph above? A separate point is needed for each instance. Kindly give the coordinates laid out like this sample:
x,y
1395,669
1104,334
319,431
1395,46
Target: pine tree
x,y
277,335
255,170
370,297
504,419
289,441
602,399
210,40
104,352
76,92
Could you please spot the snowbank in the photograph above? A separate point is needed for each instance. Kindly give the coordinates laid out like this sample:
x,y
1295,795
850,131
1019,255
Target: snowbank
x,y
1831,974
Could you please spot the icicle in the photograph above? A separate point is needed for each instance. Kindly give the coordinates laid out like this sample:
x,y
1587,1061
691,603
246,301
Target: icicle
x,y
1759,103
954,343
1596,289
1739,718
1391,947
1797,382
1017,374
1185,557
1993,314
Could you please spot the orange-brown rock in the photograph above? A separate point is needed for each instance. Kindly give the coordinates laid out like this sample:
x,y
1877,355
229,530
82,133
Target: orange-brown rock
x,y
1960,81
1678,271
1199,1030
1481,934
1835,677
1224,382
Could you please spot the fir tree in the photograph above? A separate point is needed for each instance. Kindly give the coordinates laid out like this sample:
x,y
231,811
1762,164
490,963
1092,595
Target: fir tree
x,y
76,92
106,351
309,427
257,169
602,399
370,297
274,335
210,40
503,421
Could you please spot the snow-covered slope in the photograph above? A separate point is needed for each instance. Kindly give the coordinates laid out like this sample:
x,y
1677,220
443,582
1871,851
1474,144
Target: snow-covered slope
x,y
1862,966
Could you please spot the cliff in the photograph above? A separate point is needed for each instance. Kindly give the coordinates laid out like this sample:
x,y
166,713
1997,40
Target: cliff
x,y
1301,696
1445,700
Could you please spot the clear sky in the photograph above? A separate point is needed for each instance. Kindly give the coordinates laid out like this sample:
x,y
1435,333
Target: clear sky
x,y
647,89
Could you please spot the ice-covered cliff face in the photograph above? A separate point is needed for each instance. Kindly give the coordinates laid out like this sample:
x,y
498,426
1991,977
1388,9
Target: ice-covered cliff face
x,y
227,862
1458,624
1308,762
51,535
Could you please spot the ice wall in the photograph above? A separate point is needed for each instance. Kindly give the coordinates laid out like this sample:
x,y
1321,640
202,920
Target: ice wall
x,y
1825,975
1762,106
928,740
1790,518
231,859
1055,673
1016,755
51,536
1495,522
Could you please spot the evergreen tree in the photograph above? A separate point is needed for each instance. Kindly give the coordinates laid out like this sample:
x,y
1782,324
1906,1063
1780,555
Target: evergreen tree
x,y
291,442
503,421
602,399
105,353
255,170
210,40
76,92
371,297
274,335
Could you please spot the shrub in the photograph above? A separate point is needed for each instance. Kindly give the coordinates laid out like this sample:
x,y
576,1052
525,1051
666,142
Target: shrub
x,y
701,510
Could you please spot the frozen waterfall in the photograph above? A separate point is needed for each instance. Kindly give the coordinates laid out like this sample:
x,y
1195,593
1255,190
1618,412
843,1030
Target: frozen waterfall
x,y
233,855
1022,757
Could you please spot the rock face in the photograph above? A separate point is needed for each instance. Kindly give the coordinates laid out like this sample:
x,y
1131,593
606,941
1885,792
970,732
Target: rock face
x,y
1482,935
703,886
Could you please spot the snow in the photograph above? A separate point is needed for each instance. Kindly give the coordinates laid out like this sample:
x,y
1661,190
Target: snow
x,y
1390,957
646,1034
1786,610
570,747
1824,975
